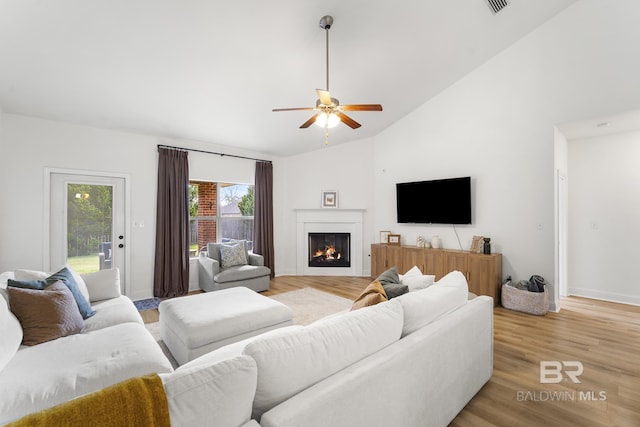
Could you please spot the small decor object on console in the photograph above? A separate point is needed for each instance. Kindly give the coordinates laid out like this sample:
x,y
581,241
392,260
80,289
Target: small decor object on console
x,y
329,199
384,236
476,244
394,239
421,241
487,246
435,242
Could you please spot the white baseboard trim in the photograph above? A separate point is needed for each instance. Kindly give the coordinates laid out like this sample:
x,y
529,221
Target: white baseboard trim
x,y
605,296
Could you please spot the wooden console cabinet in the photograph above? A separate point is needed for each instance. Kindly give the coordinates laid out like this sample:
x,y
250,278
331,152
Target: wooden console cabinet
x,y
483,272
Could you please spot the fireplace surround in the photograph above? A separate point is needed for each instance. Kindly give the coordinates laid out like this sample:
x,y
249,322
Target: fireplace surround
x,y
332,222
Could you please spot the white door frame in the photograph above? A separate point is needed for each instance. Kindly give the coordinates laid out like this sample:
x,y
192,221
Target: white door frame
x,y
46,261
562,237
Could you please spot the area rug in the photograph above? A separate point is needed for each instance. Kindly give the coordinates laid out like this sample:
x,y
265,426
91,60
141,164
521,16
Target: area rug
x,y
307,304
147,304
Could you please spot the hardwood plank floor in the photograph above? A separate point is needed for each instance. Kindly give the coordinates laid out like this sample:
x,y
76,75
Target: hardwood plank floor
x,y
603,336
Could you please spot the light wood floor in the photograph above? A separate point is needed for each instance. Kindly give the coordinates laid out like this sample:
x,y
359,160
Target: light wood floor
x,y
603,336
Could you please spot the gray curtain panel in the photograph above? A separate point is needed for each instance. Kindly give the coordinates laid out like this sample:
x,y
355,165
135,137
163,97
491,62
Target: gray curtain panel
x,y
263,214
171,272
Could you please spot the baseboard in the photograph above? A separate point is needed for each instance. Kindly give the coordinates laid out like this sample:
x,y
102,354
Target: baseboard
x,y
605,296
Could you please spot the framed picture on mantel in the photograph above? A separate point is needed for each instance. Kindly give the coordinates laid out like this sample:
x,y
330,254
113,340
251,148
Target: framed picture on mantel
x,y
384,236
394,239
330,199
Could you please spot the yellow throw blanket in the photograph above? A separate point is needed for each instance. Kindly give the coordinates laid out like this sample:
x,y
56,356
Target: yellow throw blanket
x,y
137,401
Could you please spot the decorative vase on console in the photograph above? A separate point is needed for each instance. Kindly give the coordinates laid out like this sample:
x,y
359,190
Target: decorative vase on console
x,y
435,242
487,246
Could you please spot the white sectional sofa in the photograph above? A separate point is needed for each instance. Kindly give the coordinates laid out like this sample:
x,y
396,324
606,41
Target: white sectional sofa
x,y
415,360
113,346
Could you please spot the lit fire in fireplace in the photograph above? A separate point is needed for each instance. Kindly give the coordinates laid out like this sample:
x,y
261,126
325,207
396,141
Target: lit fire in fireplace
x,y
328,253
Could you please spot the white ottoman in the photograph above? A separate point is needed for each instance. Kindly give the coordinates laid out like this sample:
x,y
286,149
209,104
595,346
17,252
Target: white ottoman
x,y
194,325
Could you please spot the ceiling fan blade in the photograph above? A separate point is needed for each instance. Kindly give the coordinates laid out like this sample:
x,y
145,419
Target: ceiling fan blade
x,y
325,97
348,120
362,107
293,109
309,122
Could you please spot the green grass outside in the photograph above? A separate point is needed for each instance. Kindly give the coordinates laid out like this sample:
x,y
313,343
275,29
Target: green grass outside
x,y
85,264
91,263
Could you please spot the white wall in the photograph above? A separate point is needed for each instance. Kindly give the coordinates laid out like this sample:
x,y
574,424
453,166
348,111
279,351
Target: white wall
x,y
496,125
4,181
299,181
604,207
31,145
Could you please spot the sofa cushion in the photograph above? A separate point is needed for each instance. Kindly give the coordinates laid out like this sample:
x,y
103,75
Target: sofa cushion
x,y
46,314
415,280
422,281
371,295
235,349
219,394
103,284
426,305
43,275
59,370
67,276
292,362
232,254
241,272
11,335
110,312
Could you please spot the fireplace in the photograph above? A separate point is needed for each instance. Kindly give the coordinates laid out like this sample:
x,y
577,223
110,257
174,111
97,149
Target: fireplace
x,y
330,250
331,222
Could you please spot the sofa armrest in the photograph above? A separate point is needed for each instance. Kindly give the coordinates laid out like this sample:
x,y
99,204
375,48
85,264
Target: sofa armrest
x,y
255,259
103,284
207,269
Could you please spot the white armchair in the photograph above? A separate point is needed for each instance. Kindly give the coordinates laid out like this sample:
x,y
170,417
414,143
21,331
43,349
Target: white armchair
x,y
213,275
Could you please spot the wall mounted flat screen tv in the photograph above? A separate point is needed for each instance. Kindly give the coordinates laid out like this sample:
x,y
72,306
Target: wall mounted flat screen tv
x,y
441,201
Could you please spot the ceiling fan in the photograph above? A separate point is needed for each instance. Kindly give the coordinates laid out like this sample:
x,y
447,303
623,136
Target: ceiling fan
x,y
329,111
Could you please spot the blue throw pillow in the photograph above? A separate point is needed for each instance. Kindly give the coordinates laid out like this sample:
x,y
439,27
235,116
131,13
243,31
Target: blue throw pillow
x,y
28,284
66,277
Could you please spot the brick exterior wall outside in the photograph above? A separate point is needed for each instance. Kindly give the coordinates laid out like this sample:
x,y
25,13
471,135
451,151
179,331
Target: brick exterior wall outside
x,y
207,206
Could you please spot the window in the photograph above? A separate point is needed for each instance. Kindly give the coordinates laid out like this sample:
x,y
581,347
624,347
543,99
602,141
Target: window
x,y
220,212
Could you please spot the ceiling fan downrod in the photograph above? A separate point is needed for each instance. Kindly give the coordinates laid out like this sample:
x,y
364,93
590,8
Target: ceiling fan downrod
x,y
325,23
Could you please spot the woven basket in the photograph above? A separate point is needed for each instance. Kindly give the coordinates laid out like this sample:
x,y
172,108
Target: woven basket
x,y
527,302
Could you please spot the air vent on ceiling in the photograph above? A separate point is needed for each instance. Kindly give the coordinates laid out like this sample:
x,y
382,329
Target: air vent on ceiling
x,y
497,5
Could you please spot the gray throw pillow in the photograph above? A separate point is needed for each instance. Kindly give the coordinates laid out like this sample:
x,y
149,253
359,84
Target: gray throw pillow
x,y
233,254
395,289
389,277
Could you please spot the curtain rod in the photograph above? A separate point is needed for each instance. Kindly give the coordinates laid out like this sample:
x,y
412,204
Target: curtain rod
x,y
212,152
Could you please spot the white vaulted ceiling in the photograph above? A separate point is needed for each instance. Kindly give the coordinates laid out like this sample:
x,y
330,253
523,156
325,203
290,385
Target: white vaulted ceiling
x,y
212,70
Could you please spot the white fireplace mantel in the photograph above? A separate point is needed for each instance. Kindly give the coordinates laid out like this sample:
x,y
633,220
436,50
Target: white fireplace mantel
x,y
329,221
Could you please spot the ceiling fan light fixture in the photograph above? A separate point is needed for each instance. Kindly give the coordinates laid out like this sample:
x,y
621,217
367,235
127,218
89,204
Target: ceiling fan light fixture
x,y
327,120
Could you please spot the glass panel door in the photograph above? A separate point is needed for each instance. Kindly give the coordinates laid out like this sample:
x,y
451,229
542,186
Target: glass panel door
x,y
89,227
87,223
